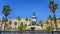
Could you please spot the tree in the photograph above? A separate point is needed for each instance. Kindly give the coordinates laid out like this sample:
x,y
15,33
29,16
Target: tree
x,y
6,11
10,22
21,26
15,23
29,19
49,28
25,25
59,21
51,18
6,25
53,6
3,20
18,19
47,22
58,24
41,24
26,19
33,23
32,28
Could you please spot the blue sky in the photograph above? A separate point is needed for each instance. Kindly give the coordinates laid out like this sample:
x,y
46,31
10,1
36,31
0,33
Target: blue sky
x,y
24,8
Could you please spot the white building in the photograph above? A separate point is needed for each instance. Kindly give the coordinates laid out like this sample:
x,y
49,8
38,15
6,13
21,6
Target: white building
x,y
29,22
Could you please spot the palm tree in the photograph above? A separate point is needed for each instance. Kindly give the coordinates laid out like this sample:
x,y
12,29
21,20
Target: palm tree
x,y
2,22
26,19
53,7
47,22
50,18
6,25
41,24
29,19
15,23
18,19
6,11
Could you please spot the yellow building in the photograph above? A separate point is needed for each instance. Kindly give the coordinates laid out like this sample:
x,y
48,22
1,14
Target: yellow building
x,y
51,23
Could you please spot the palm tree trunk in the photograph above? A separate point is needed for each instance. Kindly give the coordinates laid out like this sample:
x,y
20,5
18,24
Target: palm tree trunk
x,y
42,27
55,21
51,25
15,27
6,19
1,26
4,26
5,22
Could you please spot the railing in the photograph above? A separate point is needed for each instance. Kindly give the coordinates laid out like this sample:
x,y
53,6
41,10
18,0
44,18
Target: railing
x,y
29,32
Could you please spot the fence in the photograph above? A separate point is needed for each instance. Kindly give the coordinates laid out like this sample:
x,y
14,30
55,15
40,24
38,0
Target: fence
x,y
29,32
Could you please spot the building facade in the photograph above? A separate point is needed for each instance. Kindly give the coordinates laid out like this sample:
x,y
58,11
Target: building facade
x,y
29,21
